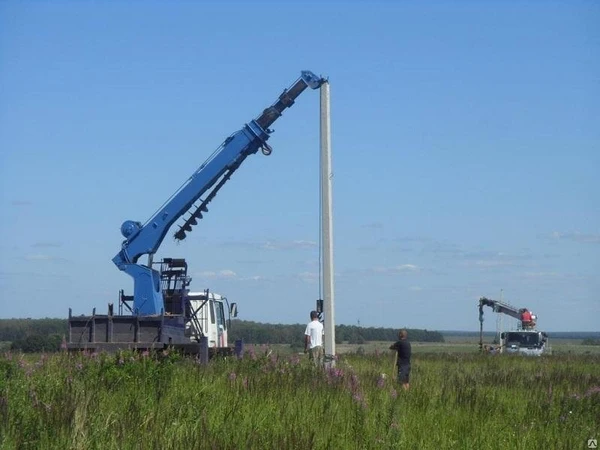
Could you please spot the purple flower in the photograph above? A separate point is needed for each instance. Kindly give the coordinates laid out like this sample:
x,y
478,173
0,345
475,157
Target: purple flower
x,y
335,373
232,376
593,390
358,398
393,393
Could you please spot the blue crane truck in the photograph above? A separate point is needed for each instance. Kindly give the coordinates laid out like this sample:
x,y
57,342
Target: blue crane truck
x,y
163,312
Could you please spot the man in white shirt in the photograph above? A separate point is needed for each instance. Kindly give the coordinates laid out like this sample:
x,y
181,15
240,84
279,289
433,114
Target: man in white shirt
x,y
313,339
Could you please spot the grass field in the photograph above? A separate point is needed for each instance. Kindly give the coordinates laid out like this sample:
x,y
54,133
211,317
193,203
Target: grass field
x,y
272,400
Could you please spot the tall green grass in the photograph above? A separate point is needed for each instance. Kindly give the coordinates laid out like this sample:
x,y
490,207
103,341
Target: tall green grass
x,y
267,401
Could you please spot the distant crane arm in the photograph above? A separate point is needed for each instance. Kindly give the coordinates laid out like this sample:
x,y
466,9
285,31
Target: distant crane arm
x,y
498,307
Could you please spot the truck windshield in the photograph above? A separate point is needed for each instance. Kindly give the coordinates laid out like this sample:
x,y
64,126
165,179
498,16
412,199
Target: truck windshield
x,y
524,339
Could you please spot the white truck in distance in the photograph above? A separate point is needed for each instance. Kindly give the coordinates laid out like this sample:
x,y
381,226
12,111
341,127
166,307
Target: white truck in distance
x,y
525,340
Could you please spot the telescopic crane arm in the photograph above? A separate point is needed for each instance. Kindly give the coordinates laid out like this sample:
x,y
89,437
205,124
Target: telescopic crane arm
x,y
207,179
499,307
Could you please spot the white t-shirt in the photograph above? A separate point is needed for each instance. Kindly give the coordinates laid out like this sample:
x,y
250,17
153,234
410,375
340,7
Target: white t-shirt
x,y
314,329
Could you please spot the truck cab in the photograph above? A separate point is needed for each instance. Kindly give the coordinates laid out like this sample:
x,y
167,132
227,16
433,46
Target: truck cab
x,y
207,317
524,342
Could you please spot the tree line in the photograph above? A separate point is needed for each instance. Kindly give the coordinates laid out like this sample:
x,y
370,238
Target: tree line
x,y
261,333
44,335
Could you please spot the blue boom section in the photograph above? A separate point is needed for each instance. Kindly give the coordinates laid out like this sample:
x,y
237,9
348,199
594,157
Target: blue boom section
x,y
209,178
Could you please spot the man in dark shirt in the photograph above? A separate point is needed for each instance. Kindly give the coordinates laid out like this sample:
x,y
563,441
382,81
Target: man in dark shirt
x,y
403,349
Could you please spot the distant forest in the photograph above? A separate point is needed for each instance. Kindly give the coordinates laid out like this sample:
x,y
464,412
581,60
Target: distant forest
x,y
264,333
36,335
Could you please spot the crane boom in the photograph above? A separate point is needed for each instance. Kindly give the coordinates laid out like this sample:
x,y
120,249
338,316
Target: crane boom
x,y
499,307
141,239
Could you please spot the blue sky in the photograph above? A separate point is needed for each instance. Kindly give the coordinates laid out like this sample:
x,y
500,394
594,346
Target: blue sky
x,y
465,141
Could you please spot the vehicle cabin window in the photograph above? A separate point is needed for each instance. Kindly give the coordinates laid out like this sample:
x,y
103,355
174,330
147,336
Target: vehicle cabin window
x,y
212,311
220,315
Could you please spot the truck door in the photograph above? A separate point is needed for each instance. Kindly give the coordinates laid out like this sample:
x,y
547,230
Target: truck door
x,y
221,325
212,334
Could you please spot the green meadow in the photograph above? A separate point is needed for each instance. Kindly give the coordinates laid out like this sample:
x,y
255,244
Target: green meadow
x,y
268,400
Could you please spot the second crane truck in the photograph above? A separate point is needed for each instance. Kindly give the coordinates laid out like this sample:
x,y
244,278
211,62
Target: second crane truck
x,y
526,339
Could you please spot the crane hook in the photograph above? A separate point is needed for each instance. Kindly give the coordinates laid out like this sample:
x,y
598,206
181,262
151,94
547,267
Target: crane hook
x,y
266,149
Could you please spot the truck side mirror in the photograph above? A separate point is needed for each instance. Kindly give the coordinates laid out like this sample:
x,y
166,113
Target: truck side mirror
x,y
502,335
233,312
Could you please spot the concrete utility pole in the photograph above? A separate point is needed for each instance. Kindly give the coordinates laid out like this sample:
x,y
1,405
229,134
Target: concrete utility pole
x,y
327,228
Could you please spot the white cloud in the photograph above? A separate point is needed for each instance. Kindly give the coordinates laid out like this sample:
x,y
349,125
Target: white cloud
x,y
226,273
406,268
402,268
38,257
253,278
298,244
415,288
293,245
551,276
308,277
583,238
541,275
